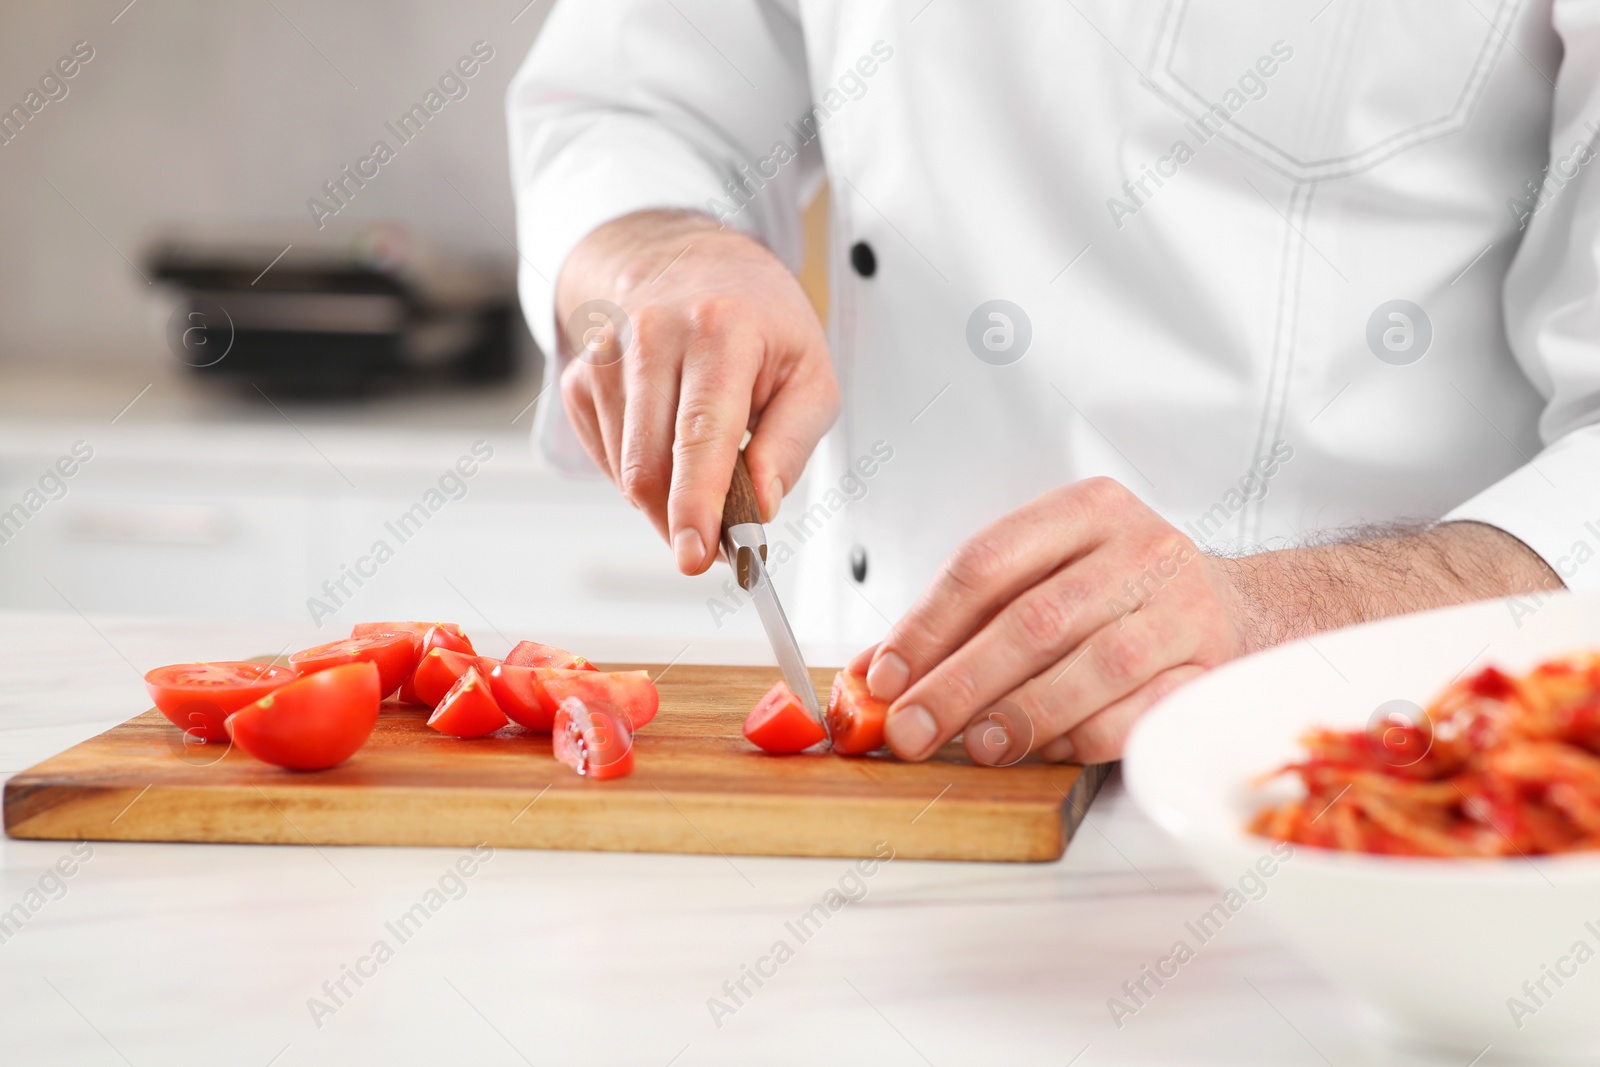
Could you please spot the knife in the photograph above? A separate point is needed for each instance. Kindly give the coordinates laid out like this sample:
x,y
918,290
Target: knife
x,y
744,543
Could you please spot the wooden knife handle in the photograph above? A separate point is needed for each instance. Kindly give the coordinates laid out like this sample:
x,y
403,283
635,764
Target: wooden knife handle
x,y
740,506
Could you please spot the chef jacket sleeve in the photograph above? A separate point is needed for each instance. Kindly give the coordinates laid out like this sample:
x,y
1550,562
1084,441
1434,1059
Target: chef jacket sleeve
x,y
633,104
1552,306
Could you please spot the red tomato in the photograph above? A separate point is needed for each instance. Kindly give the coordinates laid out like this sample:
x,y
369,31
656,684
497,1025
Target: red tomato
x,y
415,629
440,669
530,695
363,629
520,695
467,710
393,653
533,654
199,697
446,635
593,739
855,716
630,692
780,723
314,722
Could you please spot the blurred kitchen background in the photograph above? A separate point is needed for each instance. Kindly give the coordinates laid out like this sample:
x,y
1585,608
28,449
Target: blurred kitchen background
x,y
263,401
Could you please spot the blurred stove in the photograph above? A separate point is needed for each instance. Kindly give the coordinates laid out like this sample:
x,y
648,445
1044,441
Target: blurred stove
x,y
379,311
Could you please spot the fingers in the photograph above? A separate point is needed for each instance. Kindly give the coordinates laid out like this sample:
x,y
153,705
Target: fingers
x,y
799,412
1115,662
610,399
1029,635
645,455
1101,736
578,400
991,569
713,411
858,663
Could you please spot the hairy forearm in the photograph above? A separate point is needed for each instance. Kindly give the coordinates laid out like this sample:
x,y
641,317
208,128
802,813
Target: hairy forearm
x,y
1293,592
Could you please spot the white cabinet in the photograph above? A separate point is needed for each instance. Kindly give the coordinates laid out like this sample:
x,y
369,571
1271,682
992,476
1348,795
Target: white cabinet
x,y
252,521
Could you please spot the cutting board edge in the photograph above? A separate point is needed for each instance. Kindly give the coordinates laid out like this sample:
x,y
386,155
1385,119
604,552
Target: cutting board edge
x,y
690,822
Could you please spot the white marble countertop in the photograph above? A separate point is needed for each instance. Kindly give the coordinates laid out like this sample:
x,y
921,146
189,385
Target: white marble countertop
x,y
212,954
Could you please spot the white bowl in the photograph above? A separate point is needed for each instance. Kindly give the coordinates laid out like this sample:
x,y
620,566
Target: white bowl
x,y
1440,947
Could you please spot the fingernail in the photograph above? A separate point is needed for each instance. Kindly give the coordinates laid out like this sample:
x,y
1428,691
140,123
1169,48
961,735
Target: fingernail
x,y
774,496
888,676
911,731
689,548
862,660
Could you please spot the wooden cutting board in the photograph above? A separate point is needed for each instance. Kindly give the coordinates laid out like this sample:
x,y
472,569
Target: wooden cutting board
x,y
698,786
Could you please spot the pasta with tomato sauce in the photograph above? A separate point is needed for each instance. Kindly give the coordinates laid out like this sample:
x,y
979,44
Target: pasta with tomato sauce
x,y
1499,765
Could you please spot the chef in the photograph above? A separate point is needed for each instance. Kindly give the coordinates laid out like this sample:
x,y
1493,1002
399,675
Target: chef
x,y
1160,331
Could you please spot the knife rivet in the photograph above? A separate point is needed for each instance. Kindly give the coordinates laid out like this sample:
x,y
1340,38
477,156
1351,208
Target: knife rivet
x,y
858,563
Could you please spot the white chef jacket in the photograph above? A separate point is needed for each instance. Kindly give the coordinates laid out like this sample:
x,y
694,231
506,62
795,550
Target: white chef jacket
x,y
1201,215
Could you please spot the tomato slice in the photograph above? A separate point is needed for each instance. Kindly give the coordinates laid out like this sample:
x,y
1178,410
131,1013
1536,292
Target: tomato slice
x,y
467,709
533,654
199,697
445,635
780,723
855,716
441,668
531,695
314,722
593,739
394,653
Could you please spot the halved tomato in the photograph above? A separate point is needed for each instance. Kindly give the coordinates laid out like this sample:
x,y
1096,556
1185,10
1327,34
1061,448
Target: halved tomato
x,y
317,721
531,695
855,716
780,723
440,669
593,739
199,697
533,654
467,709
445,635
394,653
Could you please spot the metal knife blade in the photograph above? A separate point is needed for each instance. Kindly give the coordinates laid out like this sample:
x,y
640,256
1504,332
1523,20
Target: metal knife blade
x,y
744,541
787,650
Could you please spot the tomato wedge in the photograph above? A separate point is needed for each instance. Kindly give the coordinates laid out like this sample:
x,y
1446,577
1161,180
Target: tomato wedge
x,y
199,697
394,653
855,716
780,723
521,696
314,722
531,695
533,654
630,692
364,629
593,739
445,635
467,710
440,669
